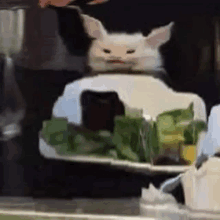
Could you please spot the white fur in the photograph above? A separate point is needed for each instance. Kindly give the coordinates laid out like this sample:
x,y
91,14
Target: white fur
x,y
146,55
143,58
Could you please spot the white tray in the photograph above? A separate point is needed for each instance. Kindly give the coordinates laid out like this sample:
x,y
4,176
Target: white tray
x,y
154,99
50,153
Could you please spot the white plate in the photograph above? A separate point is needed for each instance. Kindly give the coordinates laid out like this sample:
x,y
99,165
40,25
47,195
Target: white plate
x,y
50,153
137,91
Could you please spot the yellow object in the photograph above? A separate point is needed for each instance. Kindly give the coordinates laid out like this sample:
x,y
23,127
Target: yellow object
x,y
189,153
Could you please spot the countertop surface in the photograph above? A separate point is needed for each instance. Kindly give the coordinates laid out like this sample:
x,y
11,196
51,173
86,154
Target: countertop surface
x,y
93,209
29,208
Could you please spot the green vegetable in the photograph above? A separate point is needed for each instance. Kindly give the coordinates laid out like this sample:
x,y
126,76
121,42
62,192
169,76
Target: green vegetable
x,y
155,140
192,131
171,126
126,135
177,127
134,138
125,152
133,112
148,140
87,142
55,131
113,153
180,115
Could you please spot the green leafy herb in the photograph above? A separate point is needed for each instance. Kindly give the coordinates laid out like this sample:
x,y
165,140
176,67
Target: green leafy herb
x,y
171,126
134,138
192,131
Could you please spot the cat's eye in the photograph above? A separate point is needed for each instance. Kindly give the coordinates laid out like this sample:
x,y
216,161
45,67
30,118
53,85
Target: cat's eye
x,y
107,51
130,51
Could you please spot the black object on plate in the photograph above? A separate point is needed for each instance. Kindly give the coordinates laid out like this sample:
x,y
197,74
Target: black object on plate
x,y
99,109
166,160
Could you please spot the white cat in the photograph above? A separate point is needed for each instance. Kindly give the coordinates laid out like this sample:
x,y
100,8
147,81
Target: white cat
x,y
121,51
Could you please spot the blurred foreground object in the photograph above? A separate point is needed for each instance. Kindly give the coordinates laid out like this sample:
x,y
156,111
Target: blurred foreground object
x,y
12,104
201,186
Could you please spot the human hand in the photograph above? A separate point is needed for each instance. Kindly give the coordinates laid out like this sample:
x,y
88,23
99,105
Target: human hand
x,y
61,3
58,3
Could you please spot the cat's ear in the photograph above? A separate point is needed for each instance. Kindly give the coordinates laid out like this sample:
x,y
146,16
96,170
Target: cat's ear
x,y
93,27
159,36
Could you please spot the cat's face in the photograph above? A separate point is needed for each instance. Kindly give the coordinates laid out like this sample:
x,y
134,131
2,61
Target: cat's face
x,y
112,51
120,52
